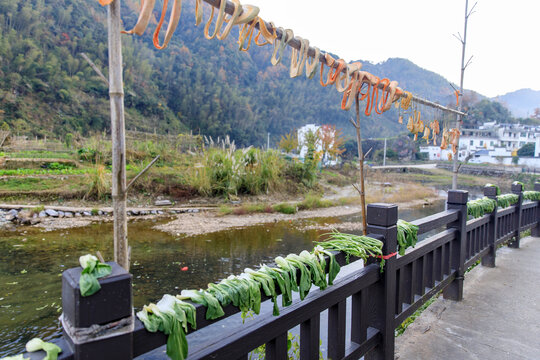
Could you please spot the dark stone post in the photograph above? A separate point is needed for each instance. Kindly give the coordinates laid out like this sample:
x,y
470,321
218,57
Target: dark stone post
x,y
535,231
457,199
489,259
99,326
518,190
381,220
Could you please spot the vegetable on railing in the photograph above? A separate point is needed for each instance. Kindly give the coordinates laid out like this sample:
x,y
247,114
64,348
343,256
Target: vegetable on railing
x,y
495,186
356,245
480,207
407,235
297,273
531,195
93,269
506,200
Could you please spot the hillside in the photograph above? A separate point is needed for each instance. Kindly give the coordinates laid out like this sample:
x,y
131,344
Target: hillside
x,y
208,87
521,103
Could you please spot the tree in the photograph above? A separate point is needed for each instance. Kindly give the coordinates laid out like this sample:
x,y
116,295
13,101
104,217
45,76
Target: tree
x,y
332,141
526,150
288,142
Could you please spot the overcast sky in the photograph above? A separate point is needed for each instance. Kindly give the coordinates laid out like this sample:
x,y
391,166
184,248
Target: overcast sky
x,y
501,35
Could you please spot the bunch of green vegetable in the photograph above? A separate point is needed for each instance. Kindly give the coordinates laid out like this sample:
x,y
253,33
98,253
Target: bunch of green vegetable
x,y
407,235
531,195
293,273
495,186
480,207
506,200
93,269
171,316
356,245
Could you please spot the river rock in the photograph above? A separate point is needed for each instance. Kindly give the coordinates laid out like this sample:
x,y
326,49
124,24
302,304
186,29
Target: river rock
x,y
87,213
10,217
100,213
42,214
52,212
13,212
160,212
78,214
68,214
61,214
163,203
24,217
153,212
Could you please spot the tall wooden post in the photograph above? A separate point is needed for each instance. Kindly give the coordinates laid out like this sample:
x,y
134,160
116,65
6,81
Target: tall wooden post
x,y
464,65
116,93
361,157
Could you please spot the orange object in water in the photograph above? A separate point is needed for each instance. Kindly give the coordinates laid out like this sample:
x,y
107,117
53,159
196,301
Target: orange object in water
x,y
105,2
185,268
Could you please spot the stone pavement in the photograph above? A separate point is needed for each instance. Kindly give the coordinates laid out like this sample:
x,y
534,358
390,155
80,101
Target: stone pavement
x,y
499,317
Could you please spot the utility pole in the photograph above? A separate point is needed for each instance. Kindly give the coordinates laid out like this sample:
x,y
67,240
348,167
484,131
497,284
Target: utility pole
x,y
384,154
464,65
116,94
268,142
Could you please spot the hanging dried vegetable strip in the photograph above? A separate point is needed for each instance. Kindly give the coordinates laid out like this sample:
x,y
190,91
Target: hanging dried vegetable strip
x,y
230,20
269,37
144,17
298,58
219,21
279,45
171,27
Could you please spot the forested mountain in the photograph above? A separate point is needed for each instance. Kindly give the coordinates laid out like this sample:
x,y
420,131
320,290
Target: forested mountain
x,y
208,87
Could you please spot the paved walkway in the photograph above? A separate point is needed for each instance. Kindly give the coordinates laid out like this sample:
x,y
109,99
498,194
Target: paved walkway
x,y
499,317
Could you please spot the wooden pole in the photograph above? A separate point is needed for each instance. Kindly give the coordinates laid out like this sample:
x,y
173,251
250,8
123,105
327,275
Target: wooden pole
x,y
116,93
455,168
361,191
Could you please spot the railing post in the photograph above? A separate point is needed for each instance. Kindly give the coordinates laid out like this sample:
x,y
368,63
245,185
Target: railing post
x,y
98,326
518,190
535,231
489,259
381,220
457,199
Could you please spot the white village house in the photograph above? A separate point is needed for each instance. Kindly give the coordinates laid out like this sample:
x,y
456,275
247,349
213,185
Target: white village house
x,y
493,143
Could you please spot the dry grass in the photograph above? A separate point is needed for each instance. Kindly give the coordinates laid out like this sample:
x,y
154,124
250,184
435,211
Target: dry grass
x,y
399,193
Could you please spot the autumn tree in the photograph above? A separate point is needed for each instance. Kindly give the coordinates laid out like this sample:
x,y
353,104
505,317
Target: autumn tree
x,y
332,141
288,142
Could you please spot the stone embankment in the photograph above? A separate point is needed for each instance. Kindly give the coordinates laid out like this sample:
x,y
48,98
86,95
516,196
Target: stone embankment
x,y
27,215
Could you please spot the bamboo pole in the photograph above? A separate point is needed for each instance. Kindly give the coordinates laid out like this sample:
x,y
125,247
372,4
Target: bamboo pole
x,y
296,43
116,93
361,191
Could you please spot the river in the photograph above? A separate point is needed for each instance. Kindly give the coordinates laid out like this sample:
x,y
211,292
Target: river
x,y
32,262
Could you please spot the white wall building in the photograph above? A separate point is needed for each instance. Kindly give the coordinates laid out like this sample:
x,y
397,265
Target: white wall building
x,y
492,143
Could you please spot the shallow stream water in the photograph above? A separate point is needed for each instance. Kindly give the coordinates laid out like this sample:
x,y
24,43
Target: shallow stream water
x,y
32,262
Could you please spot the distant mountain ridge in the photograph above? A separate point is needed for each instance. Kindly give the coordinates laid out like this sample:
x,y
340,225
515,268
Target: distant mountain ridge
x,y
521,103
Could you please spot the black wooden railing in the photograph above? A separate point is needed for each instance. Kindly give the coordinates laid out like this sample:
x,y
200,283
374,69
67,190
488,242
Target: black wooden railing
x,y
379,302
